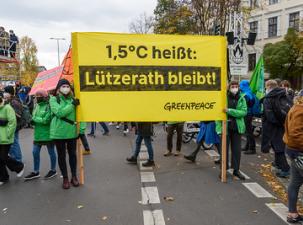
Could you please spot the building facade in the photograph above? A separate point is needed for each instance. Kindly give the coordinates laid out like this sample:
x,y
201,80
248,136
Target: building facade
x,y
270,19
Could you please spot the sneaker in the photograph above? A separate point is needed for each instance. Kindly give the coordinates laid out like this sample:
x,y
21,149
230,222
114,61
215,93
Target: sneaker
x,y
74,181
20,174
32,176
167,153
3,182
177,153
190,158
148,163
126,131
297,219
217,162
117,127
86,152
282,174
132,160
111,124
66,184
91,135
238,175
50,174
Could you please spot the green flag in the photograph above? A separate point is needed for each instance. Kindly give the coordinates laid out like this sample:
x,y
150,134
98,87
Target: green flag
x,y
256,83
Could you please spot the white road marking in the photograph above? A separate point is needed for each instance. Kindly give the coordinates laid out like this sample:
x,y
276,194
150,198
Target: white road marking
x,y
153,217
230,171
147,177
280,209
212,153
150,195
142,168
143,148
143,156
258,190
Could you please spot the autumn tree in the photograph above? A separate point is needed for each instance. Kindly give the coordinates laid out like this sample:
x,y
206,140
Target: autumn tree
x,y
284,59
29,61
142,25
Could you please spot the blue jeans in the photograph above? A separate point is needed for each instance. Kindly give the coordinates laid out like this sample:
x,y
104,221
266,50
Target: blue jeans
x,y
148,144
296,181
52,156
15,150
94,125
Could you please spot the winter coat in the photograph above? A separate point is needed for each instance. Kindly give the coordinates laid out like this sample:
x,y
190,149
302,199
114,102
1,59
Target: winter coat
x,y
7,132
64,109
208,133
272,131
145,129
293,136
18,108
82,127
42,117
239,113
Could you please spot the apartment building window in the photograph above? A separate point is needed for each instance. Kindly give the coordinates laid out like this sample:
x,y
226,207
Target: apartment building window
x,y
253,26
272,27
272,2
252,61
294,20
253,4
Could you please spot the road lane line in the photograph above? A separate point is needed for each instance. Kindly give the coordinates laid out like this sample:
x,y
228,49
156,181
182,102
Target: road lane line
x,y
143,156
154,217
279,209
143,148
258,190
147,177
150,195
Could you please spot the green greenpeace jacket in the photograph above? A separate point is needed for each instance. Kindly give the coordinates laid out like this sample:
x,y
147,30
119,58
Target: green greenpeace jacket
x,y
42,119
239,113
60,129
82,128
7,132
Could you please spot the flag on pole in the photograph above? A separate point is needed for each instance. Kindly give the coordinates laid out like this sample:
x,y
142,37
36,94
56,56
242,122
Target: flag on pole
x,y
256,83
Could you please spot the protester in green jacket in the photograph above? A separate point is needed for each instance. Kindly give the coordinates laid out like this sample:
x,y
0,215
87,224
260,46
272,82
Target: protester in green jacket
x,y
8,125
63,130
236,111
41,120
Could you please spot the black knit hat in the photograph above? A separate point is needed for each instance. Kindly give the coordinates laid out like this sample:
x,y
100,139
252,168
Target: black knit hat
x,y
10,90
61,83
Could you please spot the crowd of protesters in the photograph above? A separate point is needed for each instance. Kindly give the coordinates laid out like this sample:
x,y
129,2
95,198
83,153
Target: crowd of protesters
x,y
8,43
53,118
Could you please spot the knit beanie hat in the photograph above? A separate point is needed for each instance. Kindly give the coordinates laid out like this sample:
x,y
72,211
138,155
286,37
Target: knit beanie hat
x,y
61,83
42,92
10,90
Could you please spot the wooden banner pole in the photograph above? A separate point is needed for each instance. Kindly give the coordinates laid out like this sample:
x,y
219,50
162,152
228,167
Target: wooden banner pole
x,y
224,153
80,158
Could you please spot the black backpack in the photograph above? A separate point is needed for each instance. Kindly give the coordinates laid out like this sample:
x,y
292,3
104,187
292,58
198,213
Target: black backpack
x,y
281,106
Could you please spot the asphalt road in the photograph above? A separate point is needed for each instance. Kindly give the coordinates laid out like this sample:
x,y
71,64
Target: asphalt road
x,y
189,194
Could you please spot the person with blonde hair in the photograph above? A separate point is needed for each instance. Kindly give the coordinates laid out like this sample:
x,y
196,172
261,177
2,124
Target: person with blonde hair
x,y
293,139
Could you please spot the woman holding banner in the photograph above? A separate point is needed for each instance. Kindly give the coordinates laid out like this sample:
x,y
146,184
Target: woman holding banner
x,y
63,130
236,111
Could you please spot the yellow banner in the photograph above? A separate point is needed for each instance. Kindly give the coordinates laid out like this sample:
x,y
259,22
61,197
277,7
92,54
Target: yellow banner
x,y
133,77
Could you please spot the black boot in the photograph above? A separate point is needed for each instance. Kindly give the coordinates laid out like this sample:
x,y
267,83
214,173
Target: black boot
x,y
132,160
190,158
239,175
148,163
250,152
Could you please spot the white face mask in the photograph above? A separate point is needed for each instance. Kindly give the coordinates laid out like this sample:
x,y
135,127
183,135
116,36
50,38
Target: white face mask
x,y
234,90
65,90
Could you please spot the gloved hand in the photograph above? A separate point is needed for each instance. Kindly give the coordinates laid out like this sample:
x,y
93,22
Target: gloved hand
x,y
76,102
3,122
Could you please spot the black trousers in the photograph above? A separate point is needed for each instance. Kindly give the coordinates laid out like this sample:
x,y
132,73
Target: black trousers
x,y
170,132
6,161
281,161
71,146
250,139
234,141
84,141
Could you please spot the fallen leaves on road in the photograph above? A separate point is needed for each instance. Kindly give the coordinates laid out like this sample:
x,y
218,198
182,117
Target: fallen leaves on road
x,y
169,199
80,206
255,211
104,218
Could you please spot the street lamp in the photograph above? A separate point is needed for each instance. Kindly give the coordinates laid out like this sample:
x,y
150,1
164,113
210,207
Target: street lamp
x,y
58,47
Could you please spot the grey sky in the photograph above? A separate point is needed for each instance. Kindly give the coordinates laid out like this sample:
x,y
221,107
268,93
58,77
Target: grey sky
x,y
42,19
